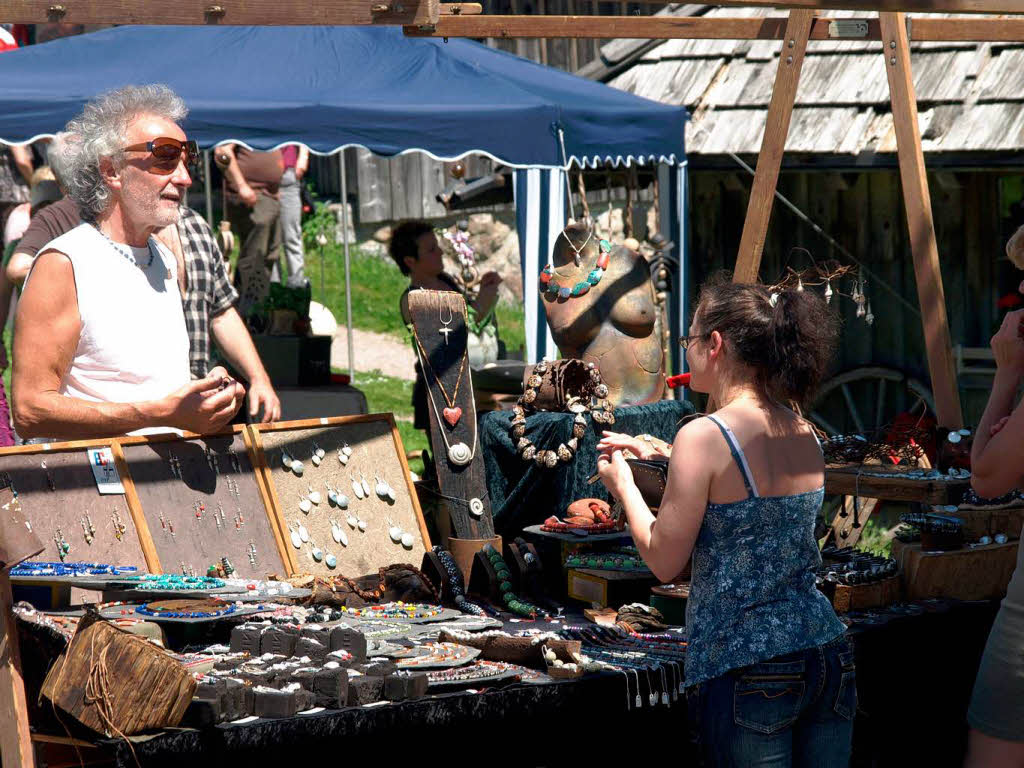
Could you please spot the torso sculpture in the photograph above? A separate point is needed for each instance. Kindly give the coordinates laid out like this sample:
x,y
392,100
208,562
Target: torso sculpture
x,y
607,317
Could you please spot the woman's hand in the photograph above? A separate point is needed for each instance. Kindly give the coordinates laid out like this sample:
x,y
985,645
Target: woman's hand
x,y
615,473
1007,344
641,446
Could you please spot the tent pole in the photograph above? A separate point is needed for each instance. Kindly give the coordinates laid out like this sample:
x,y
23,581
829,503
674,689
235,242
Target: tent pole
x,y
206,189
348,271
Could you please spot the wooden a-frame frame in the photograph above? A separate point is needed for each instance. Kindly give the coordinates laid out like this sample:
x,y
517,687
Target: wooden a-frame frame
x,y
436,19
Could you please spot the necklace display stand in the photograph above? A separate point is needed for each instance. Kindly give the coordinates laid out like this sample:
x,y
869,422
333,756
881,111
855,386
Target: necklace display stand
x,y
440,335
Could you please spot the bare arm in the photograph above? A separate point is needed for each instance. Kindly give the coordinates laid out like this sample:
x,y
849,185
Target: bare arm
x,y
45,339
666,542
225,156
23,160
18,267
233,339
996,466
302,163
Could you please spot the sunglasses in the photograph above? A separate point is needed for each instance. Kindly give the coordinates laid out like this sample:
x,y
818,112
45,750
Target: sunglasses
x,y
167,152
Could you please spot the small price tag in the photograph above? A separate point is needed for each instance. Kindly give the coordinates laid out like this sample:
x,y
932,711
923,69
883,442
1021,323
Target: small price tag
x,y
664,698
681,688
104,470
652,699
639,701
323,420
46,446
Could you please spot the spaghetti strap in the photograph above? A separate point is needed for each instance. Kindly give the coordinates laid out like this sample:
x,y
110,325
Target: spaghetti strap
x,y
737,454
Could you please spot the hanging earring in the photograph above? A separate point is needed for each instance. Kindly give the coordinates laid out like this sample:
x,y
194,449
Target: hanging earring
x,y
869,318
800,285
828,291
318,451
303,533
352,521
294,535
305,504
315,496
252,553
286,460
342,456
298,468
119,527
407,540
316,553
86,532
357,489
445,328
338,534
63,548
361,525
381,487
395,532
331,561
365,485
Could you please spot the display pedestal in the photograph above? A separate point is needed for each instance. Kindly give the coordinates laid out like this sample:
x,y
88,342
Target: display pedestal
x,y
978,573
863,596
463,550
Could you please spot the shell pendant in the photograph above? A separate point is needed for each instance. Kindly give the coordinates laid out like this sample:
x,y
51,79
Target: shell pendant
x,y
366,487
459,454
305,505
296,539
342,457
357,489
303,533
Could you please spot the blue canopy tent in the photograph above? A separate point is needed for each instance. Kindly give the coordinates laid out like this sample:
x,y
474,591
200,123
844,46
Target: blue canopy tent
x,y
337,87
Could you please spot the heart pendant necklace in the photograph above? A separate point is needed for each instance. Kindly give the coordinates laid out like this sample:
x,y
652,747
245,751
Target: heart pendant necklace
x,y
452,413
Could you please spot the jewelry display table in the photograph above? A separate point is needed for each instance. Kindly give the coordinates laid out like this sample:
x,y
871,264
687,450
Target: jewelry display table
x,y
924,689
867,482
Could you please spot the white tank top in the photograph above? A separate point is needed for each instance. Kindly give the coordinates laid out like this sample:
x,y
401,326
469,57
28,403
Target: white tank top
x,y
133,345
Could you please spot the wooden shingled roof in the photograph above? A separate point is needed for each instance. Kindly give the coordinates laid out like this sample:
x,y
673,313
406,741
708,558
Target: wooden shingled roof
x,y
970,95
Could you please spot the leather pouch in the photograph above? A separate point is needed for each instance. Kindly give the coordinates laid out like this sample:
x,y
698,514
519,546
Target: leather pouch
x,y
650,476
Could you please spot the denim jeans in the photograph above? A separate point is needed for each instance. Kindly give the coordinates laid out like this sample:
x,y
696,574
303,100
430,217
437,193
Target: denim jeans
x,y
793,710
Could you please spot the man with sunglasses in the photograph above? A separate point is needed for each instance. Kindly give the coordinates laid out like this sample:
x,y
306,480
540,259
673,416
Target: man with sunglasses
x,y
100,343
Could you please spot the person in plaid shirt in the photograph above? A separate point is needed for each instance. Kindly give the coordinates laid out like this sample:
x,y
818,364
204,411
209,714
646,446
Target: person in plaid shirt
x,y
208,301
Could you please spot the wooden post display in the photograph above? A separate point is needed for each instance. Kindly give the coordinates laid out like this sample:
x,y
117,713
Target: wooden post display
x,y
441,334
17,543
923,245
773,145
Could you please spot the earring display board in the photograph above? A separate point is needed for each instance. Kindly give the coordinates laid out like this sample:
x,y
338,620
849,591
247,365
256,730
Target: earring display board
x,y
57,496
202,503
335,456
441,335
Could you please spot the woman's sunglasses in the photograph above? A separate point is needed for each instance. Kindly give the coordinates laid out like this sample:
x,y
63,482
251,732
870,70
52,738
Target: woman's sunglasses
x,y
167,152
686,341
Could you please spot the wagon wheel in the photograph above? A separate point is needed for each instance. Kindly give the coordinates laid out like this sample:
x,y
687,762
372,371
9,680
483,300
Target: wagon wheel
x,y
866,399
859,401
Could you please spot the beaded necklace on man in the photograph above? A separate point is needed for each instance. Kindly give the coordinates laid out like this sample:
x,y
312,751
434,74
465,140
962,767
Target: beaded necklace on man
x,y
130,257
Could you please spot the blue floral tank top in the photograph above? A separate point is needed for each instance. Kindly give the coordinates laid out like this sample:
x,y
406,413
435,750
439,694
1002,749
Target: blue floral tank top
x,y
752,594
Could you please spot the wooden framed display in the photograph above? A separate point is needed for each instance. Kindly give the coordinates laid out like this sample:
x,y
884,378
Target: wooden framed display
x,y
202,503
308,466
59,497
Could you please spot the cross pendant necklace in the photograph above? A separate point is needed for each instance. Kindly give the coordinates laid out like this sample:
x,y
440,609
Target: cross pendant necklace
x,y
445,324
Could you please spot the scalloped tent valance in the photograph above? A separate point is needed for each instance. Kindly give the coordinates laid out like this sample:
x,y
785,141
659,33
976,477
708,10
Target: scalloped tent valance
x,y
333,87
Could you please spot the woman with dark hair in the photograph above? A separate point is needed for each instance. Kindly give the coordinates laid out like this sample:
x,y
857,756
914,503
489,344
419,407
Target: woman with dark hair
x,y
769,671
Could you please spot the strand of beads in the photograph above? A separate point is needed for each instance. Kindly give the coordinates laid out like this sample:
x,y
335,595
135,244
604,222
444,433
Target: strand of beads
x,y
602,413
172,582
549,283
152,609
511,601
455,580
610,562
37,568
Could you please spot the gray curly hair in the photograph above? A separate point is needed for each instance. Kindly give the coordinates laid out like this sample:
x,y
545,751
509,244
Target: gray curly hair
x,y
99,133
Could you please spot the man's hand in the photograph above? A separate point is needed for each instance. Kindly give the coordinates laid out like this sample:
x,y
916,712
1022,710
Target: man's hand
x,y
262,395
248,195
206,405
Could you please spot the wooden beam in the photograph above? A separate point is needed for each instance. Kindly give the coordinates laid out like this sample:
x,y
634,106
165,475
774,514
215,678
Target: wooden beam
x,y
773,145
923,245
908,6
963,29
15,739
227,12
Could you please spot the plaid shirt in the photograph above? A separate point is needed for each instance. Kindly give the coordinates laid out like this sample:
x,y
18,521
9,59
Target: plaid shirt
x,y
209,292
